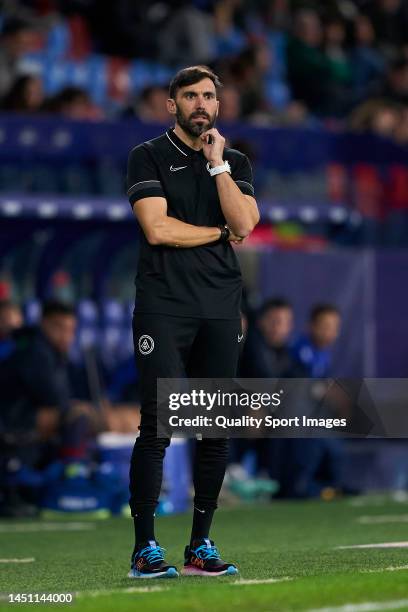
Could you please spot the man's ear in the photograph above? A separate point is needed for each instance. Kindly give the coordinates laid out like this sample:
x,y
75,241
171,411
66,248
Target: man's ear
x,y
171,106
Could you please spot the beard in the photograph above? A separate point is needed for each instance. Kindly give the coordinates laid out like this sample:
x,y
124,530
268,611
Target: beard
x,y
193,128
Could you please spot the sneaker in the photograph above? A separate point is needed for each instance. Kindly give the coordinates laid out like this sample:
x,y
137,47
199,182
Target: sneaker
x,y
148,562
203,559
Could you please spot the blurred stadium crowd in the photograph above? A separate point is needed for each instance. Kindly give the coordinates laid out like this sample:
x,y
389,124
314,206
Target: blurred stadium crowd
x,y
343,63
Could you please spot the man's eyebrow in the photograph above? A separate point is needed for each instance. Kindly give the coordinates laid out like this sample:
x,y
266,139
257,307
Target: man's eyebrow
x,y
192,91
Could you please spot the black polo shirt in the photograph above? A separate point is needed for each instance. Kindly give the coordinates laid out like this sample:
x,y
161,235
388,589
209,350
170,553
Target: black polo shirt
x,y
202,281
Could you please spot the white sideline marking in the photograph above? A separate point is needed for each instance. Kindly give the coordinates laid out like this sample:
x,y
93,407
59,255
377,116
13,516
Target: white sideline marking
x,y
396,568
141,589
57,526
368,606
380,545
383,518
24,560
261,581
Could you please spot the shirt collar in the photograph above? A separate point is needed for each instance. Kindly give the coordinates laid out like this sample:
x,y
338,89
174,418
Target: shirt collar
x,y
184,149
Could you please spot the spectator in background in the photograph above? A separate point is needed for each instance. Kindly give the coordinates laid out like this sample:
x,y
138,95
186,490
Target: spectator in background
x,y
378,116
266,352
25,96
18,36
367,63
386,120
187,33
42,428
151,107
308,67
73,103
313,350
230,38
247,73
396,85
10,320
124,28
318,69
339,63
230,104
36,394
401,133
390,20
313,466
278,15
296,115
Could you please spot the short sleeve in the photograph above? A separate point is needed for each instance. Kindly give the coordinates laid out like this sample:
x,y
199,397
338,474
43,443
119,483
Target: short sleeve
x,y
242,175
142,179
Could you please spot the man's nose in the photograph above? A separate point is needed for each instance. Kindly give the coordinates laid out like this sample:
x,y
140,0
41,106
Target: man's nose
x,y
200,102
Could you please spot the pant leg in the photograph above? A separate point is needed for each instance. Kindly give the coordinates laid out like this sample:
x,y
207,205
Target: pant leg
x,y
214,355
162,345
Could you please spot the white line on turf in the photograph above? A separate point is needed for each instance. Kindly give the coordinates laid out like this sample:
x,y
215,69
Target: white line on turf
x,y
396,568
383,518
379,545
141,589
33,527
368,606
261,581
24,560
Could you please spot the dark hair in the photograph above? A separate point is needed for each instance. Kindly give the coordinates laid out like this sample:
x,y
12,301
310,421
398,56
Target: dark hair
x,y
71,93
190,76
321,309
149,90
273,304
55,307
15,97
67,95
15,25
398,63
6,304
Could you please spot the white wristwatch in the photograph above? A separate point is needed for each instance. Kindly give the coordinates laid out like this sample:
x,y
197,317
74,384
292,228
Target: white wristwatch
x,y
219,169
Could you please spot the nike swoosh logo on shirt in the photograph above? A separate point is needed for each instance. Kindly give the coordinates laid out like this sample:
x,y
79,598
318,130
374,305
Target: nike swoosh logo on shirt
x,y
175,169
202,511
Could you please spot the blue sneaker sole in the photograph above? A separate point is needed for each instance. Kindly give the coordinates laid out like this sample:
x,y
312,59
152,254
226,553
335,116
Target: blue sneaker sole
x,y
170,573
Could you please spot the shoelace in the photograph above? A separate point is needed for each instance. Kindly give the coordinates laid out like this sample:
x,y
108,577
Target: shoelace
x,y
203,552
151,554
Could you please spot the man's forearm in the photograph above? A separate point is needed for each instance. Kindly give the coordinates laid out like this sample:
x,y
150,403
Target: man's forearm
x,y
240,215
173,232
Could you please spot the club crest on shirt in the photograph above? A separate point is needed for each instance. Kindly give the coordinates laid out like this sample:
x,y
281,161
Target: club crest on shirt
x,y
146,344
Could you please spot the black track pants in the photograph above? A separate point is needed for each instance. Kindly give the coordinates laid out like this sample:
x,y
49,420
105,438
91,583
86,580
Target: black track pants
x,y
200,348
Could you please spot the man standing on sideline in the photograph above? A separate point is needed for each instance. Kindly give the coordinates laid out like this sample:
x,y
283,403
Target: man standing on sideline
x,y
192,197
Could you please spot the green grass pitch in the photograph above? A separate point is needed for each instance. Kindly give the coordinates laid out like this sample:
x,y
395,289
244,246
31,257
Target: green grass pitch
x,y
293,543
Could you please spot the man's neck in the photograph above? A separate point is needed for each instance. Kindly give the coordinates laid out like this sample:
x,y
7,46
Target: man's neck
x,y
192,142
